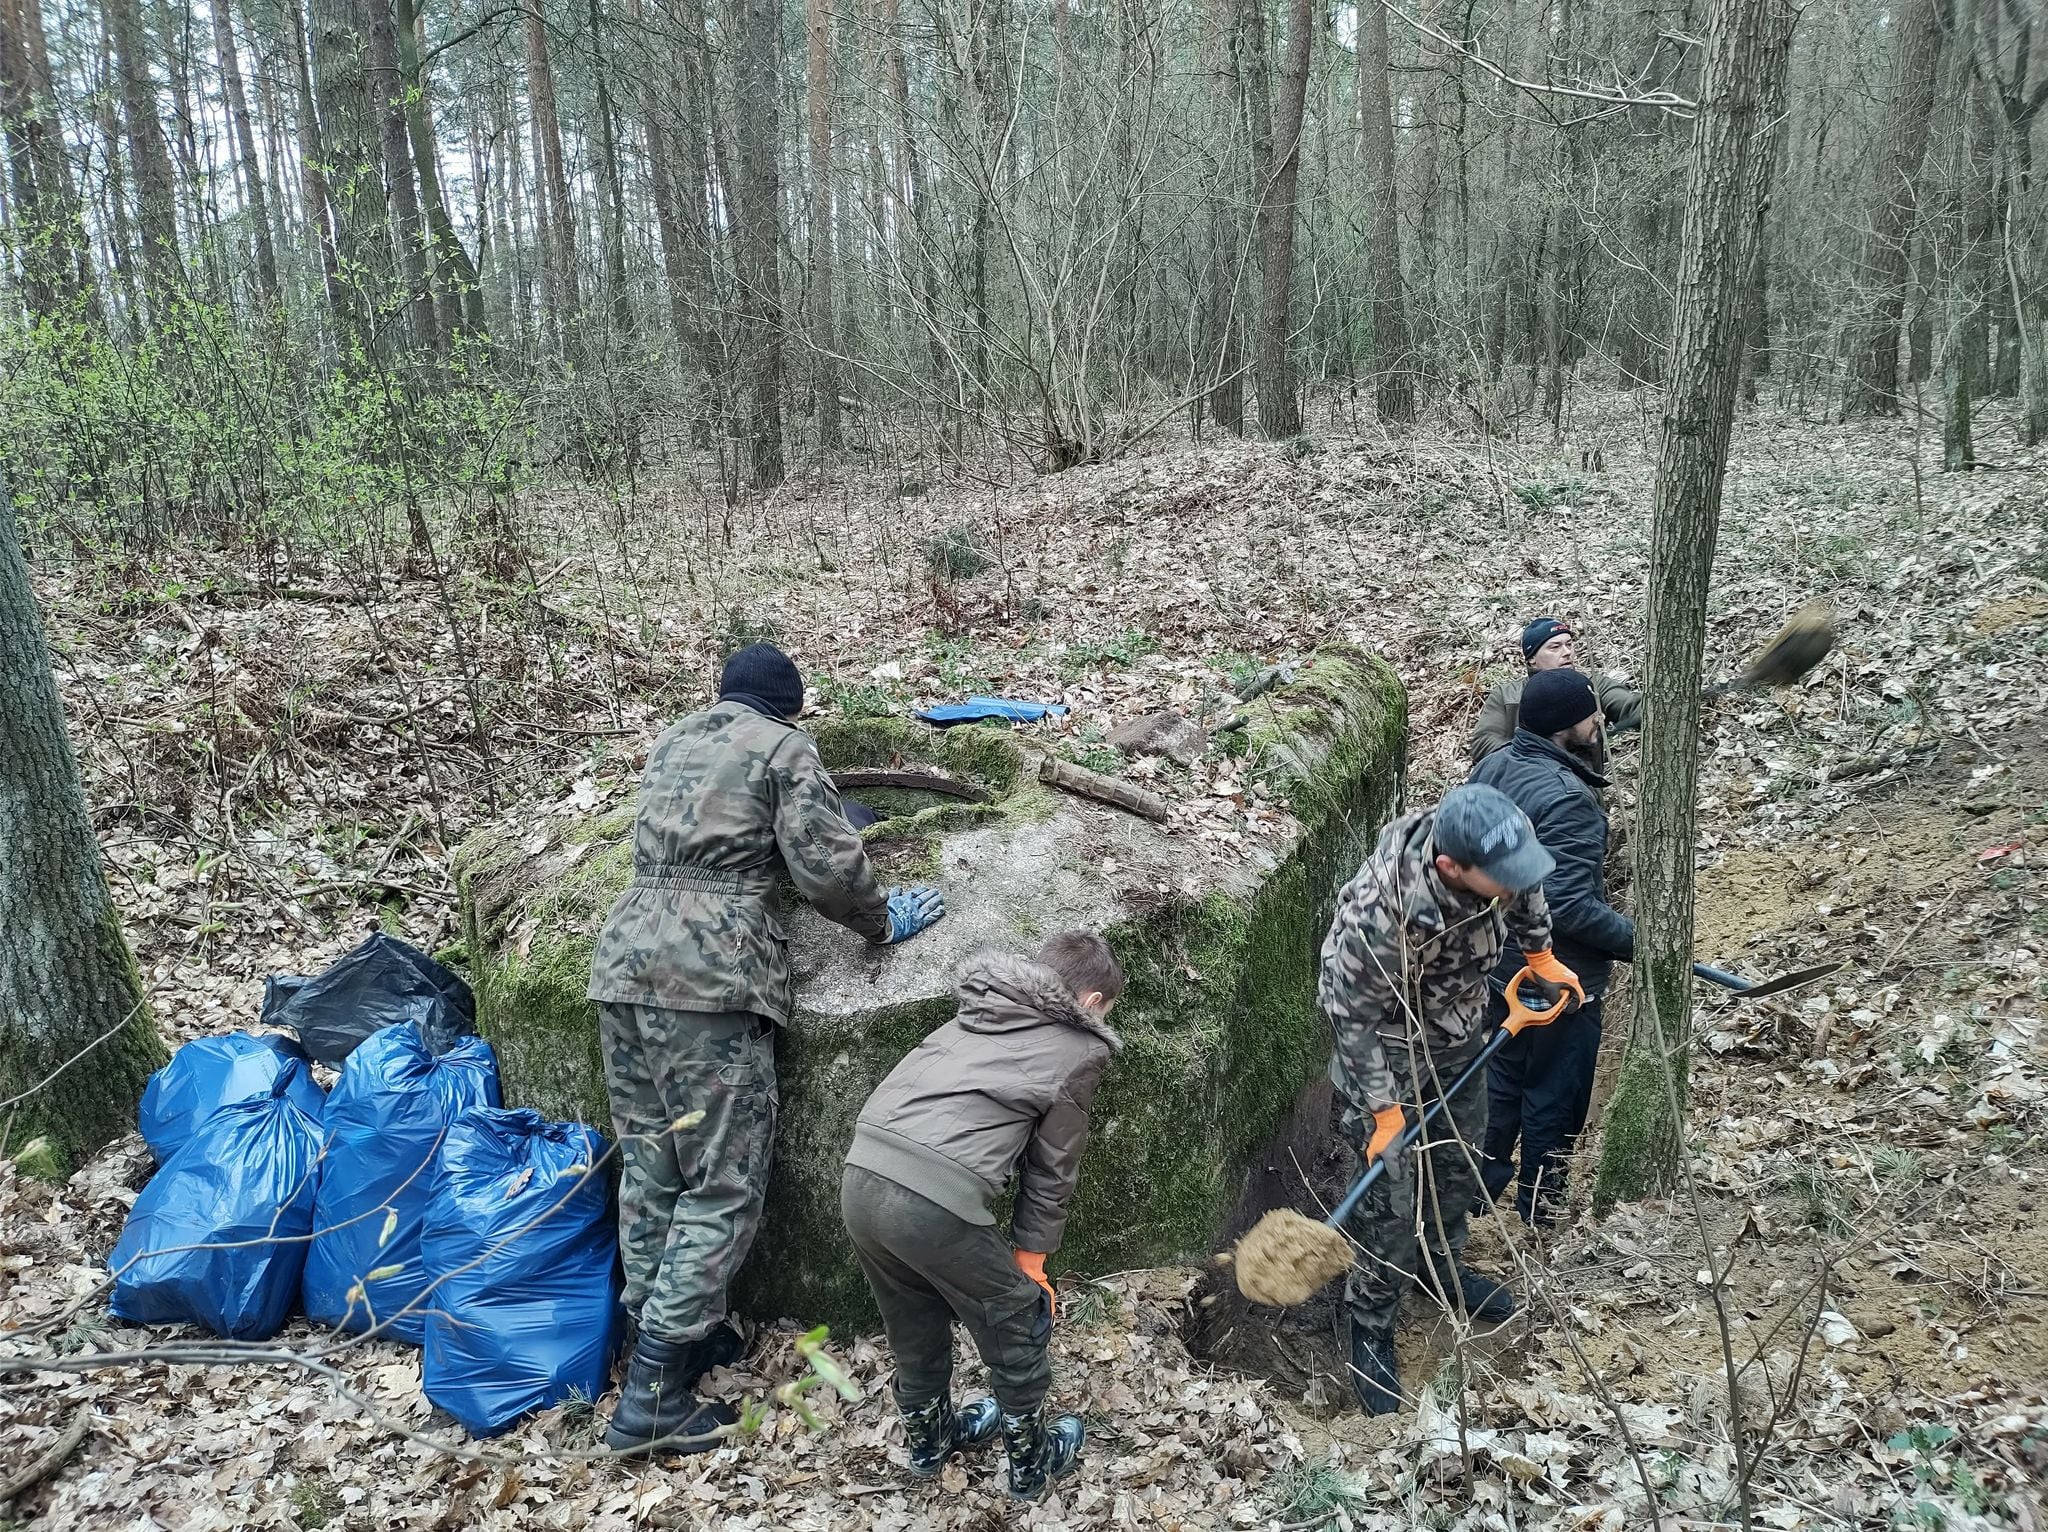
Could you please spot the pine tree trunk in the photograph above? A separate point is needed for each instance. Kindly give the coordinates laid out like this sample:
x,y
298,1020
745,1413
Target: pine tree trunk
x,y
148,160
1733,148
1393,367
558,217
818,111
1279,404
458,291
394,139
758,119
348,129
70,998
55,264
247,168
611,190
912,202
1870,339
349,330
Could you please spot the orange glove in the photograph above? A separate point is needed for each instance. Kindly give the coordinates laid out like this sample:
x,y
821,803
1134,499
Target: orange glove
x,y
1546,967
1032,1264
1387,1124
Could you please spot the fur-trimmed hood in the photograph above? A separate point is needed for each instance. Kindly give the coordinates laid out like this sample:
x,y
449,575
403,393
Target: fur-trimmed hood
x,y
1001,992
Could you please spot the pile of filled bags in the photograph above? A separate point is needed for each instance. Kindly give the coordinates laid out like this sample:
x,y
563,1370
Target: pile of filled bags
x,y
408,1204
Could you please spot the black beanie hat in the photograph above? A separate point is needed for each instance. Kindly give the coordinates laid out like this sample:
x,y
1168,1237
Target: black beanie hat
x,y
1554,700
765,679
1541,632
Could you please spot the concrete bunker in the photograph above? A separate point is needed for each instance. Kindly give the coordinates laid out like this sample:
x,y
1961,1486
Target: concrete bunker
x,y
1223,1040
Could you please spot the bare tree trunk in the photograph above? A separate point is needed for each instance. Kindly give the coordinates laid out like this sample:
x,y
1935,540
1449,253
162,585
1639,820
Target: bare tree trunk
x,y
457,290
1279,406
1870,339
394,137
122,231
247,167
611,188
348,327
818,111
1748,42
148,161
558,218
1393,372
758,119
70,997
348,135
54,258
1219,355
32,226
911,200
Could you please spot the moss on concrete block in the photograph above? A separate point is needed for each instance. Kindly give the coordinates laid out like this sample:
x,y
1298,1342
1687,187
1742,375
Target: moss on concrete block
x,y
1220,1023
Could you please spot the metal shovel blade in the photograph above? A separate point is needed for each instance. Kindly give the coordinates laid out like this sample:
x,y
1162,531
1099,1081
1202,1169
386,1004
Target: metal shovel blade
x,y
1746,991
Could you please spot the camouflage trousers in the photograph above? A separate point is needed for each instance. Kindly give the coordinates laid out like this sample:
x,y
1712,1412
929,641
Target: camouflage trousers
x,y
1422,1210
689,1197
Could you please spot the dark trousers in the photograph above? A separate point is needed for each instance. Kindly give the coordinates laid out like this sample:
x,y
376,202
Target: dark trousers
x,y
1539,1087
929,1267
1410,1229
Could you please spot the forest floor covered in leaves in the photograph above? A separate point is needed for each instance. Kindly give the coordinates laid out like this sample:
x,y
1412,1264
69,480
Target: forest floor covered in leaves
x,y
281,752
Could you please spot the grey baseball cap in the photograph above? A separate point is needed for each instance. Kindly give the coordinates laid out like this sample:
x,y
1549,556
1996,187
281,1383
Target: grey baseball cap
x,y
1480,826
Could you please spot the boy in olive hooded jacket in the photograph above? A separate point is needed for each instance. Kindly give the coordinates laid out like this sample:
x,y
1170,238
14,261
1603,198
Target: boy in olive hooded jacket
x,y
1003,1088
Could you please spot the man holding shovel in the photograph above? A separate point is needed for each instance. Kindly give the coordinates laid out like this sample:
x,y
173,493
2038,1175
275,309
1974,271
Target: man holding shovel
x,y
1404,973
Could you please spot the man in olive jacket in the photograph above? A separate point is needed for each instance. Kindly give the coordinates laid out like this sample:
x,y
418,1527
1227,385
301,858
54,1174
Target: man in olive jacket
x,y
691,976
1547,644
1540,1085
1003,1088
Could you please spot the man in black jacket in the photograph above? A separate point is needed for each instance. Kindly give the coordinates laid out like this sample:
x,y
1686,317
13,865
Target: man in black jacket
x,y
1541,1084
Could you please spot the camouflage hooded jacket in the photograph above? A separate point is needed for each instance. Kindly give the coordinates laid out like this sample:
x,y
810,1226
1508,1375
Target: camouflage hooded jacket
x,y
730,801
1406,960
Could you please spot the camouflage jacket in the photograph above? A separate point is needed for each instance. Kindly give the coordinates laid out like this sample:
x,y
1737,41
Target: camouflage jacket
x,y
1407,958
730,802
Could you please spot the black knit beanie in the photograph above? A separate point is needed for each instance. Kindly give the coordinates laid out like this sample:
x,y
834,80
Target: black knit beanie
x,y
1541,632
1554,700
765,679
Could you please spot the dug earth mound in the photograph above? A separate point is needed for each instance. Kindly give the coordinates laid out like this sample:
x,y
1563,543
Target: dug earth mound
x,y
1218,928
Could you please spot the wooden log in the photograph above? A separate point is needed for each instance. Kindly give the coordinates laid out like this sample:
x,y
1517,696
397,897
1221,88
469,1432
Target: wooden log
x,y
1084,783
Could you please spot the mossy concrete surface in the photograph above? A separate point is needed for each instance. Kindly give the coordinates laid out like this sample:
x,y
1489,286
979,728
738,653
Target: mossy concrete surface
x,y
1220,1024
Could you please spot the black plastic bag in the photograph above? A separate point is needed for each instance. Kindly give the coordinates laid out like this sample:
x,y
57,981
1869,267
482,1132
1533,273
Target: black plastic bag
x,y
383,982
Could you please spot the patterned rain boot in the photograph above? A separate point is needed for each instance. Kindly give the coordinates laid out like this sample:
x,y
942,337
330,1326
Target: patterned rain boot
x,y
1040,1453
936,1431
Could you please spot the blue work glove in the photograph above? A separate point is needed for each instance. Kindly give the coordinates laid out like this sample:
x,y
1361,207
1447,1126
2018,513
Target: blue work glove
x,y
912,909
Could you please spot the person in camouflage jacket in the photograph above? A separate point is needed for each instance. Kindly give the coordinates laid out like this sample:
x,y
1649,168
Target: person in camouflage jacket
x,y
1404,983
691,975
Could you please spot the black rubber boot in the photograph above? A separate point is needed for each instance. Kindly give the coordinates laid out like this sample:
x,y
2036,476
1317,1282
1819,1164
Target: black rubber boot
x,y
721,1347
1040,1452
1485,1298
657,1411
1375,1374
936,1431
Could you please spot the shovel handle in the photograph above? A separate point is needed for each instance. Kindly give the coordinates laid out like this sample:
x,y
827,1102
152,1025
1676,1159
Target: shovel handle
x,y
1413,1131
1720,976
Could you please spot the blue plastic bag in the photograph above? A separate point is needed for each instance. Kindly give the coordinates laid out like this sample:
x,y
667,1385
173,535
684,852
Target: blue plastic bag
x,y
519,1244
386,1123
210,1073
991,710
243,1185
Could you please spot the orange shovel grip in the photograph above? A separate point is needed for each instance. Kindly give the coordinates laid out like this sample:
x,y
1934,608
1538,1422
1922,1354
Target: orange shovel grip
x,y
1520,1015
